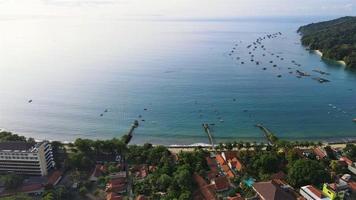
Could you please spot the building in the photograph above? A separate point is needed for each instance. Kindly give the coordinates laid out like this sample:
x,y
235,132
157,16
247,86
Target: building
x,y
275,190
309,192
26,158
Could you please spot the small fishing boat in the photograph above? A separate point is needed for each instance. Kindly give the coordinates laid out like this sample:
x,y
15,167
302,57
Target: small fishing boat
x,y
30,101
264,68
101,114
279,76
354,120
106,110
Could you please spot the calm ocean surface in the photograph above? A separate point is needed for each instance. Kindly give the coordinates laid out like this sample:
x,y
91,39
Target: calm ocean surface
x,y
179,70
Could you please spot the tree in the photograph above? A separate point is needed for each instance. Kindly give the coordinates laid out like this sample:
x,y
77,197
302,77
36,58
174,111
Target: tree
x,y
8,136
305,172
267,163
163,182
350,151
12,181
83,190
17,197
183,177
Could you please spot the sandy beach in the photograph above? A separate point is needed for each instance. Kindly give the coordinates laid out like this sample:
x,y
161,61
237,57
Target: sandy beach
x,y
318,52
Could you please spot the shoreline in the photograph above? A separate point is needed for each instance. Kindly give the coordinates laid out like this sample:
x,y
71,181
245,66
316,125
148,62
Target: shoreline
x,y
260,140
319,53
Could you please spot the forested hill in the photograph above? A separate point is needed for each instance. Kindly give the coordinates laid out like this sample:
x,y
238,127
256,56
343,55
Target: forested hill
x,y
335,38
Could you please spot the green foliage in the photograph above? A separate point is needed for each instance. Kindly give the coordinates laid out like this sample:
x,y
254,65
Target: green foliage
x,y
305,172
83,190
147,154
8,136
11,181
17,197
267,163
350,151
173,179
335,38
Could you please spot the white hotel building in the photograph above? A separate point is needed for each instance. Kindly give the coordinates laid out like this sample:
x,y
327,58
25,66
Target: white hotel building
x,y
26,158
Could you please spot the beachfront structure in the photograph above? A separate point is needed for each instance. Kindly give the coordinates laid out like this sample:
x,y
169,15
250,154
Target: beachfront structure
x,y
26,158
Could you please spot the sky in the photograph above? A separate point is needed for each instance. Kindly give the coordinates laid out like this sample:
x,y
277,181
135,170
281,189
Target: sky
x,y
175,8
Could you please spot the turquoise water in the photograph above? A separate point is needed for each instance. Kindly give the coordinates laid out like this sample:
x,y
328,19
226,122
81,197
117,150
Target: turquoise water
x,y
179,70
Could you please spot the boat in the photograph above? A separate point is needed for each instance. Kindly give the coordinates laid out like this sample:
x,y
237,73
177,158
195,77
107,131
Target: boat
x,y
321,80
30,101
106,110
264,68
279,76
354,120
101,114
301,73
145,109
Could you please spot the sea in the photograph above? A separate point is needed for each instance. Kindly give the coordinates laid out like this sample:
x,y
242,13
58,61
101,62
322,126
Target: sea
x,y
67,78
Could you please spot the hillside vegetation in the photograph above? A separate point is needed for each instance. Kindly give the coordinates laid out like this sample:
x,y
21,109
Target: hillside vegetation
x,y
335,38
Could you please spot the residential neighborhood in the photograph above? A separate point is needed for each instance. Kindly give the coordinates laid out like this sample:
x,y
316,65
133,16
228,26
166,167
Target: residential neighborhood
x,y
113,170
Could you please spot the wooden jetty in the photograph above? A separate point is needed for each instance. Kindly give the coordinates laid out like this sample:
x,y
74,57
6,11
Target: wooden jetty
x,y
267,133
208,132
130,133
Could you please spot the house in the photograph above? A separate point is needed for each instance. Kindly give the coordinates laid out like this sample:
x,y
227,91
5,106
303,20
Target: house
x,y
339,188
97,172
118,185
35,188
213,166
113,196
274,190
319,153
309,192
231,159
224,166
140,197
352,168
237,197
206,191
221,183
279,175
346,160
54,178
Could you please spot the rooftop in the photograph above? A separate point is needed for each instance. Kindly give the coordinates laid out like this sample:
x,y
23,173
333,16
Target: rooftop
x,y
15,145
273,190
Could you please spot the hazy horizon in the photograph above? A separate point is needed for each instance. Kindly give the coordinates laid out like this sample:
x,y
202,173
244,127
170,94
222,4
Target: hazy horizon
x,y
171,9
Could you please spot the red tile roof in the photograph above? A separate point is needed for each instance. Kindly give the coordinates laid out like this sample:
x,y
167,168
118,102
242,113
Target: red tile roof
x,y
54,177
272,190
318,152
113,196
31,188
220,159
236,164
352,185
140,197
204,189
315,191
279,175
347,160
221,183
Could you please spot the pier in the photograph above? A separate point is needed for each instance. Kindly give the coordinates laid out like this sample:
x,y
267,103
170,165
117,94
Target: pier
x,y
268,134
208,132
130,133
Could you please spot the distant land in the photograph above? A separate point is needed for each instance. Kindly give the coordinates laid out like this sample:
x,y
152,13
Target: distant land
x,y
336,39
